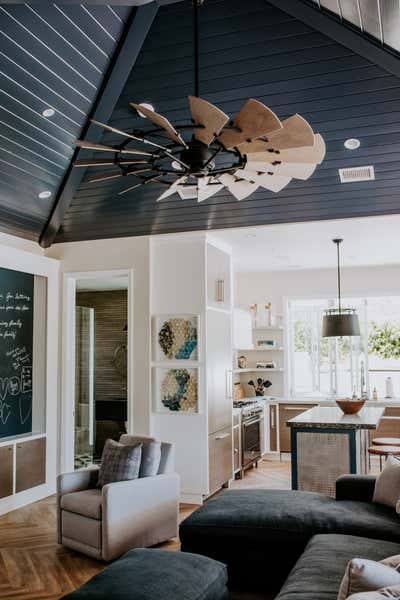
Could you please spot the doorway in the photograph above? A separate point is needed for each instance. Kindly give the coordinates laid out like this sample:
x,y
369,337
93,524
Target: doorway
x,y
96,382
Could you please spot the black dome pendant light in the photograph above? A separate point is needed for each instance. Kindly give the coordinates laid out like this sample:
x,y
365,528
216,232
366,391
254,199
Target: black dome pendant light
x,y
340,322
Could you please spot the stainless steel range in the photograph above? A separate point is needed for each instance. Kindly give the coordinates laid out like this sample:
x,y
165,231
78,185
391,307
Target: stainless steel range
x,y
252,430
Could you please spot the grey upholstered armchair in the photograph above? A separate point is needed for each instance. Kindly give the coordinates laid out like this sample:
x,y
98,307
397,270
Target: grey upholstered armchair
x,y
105,523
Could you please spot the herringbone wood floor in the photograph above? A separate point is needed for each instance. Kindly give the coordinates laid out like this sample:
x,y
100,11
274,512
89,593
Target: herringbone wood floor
x,y
34,567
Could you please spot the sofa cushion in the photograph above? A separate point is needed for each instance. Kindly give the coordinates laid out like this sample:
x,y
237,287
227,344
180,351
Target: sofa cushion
x,y
119,463
84,530
318,573
151,453
387,486
247,529
87,503
269,515
152,574
365,575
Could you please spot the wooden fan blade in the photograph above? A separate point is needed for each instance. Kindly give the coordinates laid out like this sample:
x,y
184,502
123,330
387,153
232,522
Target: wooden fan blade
x,y
105,176
92,146
252,121
172,189
187,192
209,116
114,130
270,181
132,187
160,121
303,154
295,170
296,132
239,189
143,182
206,188
96,162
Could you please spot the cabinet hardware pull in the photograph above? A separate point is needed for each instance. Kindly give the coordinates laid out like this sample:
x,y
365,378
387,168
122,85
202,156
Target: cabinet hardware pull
x,y
19,446
222,437
10,449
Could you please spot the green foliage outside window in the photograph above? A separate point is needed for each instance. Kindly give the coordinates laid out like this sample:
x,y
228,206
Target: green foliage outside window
x,y
384,340
302,341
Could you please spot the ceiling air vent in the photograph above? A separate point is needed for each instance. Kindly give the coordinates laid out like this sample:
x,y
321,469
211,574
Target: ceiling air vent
x,y
356,174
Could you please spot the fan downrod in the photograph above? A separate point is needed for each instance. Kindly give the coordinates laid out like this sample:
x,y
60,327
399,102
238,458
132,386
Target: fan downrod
x,y
198,157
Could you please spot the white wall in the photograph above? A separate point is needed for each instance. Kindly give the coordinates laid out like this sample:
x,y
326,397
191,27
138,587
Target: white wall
x,y
178,285
20,244
273,286
116,254
280,286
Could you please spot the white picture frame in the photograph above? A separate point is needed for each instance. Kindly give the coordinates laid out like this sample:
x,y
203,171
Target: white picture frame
x,y
179,348
183,395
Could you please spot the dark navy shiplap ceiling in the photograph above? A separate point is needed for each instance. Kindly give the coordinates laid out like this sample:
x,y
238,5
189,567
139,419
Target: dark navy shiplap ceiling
x,y
51,56
251,49
248,49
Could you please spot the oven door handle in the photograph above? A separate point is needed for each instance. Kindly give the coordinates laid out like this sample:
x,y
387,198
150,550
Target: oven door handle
x,y
252,422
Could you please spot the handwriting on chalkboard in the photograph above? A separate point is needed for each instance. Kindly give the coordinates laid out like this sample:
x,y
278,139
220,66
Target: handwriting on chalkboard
x,y
12,302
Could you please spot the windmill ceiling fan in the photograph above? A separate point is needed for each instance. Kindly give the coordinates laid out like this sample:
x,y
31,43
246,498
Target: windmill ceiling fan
x,y
254,149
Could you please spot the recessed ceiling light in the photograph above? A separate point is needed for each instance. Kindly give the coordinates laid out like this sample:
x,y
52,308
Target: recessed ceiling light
x,y
177,166
352,144
45,194
251,235
145,105
48,112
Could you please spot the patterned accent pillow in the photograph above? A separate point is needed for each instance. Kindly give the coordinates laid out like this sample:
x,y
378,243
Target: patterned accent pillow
x,y
119,463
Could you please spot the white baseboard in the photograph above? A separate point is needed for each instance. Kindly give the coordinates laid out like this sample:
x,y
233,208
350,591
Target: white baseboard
x,y
26,497
191,498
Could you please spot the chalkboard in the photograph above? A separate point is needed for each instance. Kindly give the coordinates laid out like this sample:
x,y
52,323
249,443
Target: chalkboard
x,y
16,344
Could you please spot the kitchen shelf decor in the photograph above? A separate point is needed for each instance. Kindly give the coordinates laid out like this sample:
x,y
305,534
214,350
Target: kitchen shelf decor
x,y
176,338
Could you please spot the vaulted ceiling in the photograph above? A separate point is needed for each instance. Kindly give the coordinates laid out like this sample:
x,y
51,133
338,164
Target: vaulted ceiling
x,y
94,60
51,57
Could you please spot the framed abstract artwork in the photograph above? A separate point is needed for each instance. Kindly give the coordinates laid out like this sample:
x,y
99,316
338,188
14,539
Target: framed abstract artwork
x,y
176,389
176,338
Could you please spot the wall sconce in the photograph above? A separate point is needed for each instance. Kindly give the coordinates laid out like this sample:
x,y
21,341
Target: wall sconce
x,y
220,290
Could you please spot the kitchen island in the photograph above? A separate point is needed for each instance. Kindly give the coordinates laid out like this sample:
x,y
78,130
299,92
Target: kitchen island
x,y
326,443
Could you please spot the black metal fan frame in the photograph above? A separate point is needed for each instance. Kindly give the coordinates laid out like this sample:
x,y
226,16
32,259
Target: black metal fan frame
x,y
201,163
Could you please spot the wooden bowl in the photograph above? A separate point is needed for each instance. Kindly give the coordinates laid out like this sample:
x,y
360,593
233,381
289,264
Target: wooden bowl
x,y
349,406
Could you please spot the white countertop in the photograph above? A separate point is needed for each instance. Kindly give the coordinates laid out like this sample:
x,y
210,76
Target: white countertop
x,y
321,417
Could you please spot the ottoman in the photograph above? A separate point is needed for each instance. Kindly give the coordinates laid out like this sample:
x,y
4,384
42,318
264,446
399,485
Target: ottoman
x,y
152,574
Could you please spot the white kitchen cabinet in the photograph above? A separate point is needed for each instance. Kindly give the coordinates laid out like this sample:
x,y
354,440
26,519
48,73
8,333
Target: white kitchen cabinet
x,y
242,329
219,382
